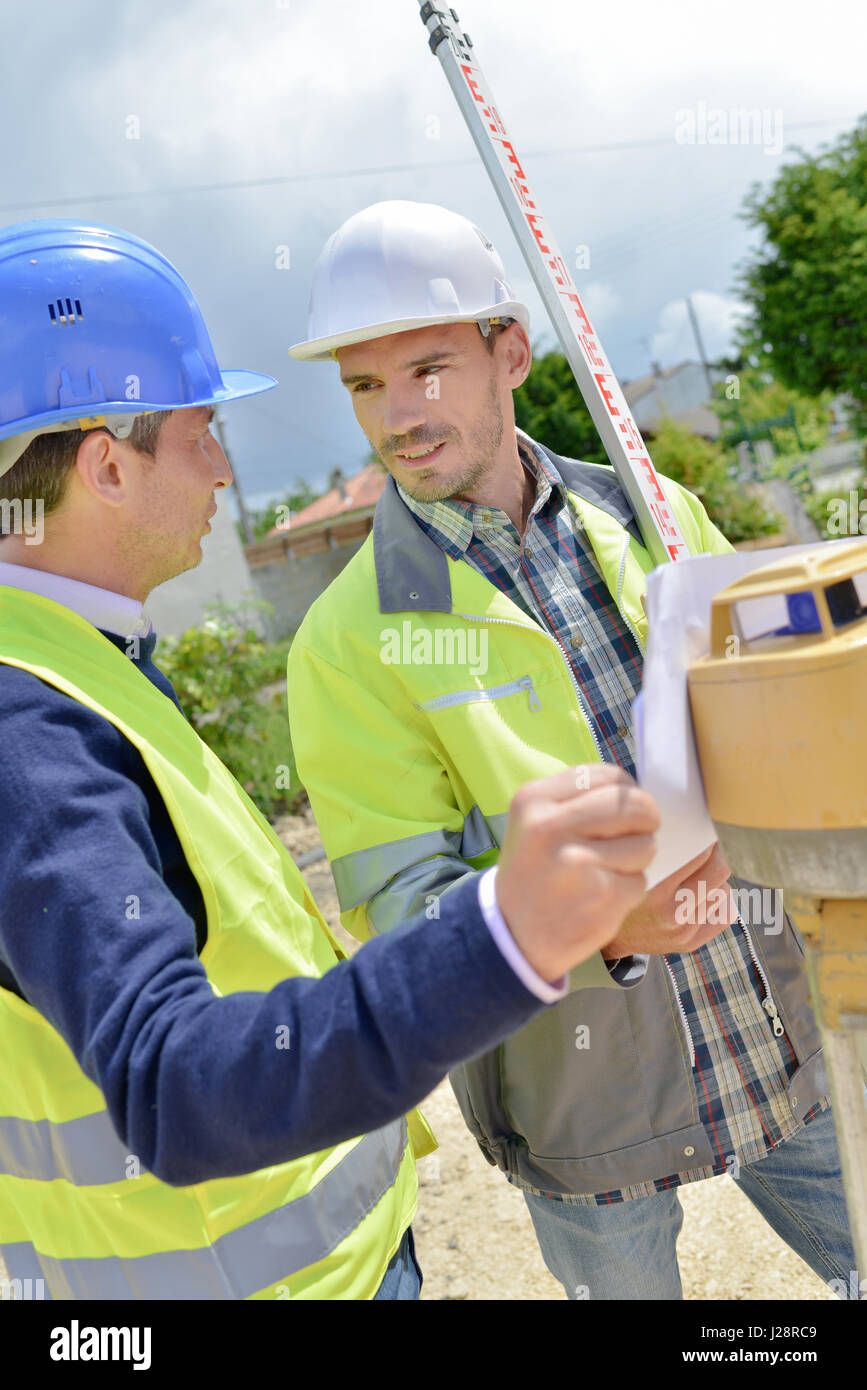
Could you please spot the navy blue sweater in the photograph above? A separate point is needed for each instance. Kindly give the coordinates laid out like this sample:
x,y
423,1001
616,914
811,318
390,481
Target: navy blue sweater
x,y
195,1085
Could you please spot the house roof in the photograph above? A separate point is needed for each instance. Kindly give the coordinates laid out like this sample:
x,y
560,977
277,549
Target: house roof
x,y
362,490
640,385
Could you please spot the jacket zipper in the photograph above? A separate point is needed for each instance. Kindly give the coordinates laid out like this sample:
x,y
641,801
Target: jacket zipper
x,y
495,692
638,641
507,622
689,1042
768,1004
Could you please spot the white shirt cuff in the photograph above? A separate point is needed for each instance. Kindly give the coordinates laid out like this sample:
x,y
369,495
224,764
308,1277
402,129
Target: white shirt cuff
x,y
548,993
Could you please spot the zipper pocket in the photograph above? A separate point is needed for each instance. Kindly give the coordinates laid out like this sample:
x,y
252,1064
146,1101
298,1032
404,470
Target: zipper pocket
x,y
480,618
768,1004
496,692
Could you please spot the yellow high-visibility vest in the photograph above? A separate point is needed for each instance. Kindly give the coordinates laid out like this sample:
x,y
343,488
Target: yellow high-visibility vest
x,y
323,1226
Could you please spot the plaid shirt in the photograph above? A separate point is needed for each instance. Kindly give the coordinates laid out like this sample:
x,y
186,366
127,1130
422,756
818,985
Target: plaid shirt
x,y
741,1068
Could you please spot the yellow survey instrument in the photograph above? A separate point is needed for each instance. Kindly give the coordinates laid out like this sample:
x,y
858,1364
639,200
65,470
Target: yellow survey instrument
x,y
778,708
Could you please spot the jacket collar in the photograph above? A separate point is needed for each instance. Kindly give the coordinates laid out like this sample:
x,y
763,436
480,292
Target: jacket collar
x,y
412,573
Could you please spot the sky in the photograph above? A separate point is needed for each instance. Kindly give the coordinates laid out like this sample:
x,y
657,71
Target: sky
x,y
236,137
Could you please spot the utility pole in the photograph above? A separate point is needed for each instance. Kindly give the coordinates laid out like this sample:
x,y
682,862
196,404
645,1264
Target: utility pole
x,y
246,524
701,352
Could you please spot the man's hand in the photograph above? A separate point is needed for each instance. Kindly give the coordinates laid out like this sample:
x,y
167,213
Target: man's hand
x,y
652,929
572,863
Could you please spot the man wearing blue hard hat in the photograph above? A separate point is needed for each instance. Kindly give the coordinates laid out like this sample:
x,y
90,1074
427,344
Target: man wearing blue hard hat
x,y
204,1100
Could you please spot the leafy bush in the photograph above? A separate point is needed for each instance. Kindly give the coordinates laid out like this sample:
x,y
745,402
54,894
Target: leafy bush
x,y
550,409
758,398
221,672
703,466
838,520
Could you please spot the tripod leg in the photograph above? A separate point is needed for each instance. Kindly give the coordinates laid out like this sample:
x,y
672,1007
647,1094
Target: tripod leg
x,y
850,1120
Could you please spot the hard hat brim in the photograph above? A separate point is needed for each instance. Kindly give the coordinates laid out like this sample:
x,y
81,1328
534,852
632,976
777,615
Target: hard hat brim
x,y
320,349
236,384
240,383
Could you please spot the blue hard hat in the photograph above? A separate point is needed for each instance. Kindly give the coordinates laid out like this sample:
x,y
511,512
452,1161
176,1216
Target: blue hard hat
x,y
94,322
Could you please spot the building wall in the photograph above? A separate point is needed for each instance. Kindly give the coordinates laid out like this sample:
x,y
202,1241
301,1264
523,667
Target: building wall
x,y
292,583
684,390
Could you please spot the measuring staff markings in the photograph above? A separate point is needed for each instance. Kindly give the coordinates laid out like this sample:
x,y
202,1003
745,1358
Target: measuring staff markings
x,y
598,384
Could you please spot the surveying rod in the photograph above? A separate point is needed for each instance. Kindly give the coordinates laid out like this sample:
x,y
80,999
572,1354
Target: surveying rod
x,y
596,380
777,709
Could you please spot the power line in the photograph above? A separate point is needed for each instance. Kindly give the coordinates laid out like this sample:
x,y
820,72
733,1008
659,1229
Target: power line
x,y
373,170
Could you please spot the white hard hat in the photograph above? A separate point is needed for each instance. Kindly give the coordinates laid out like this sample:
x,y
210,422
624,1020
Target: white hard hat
x,y
399,265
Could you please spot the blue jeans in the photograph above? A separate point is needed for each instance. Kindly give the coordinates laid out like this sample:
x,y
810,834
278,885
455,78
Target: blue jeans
x,y
628,1250
403,1278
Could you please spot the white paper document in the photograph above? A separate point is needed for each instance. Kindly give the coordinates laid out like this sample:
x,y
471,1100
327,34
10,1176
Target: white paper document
x,y
678,618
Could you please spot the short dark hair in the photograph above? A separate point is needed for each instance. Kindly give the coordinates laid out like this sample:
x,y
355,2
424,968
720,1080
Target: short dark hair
x,y
494,331
44,468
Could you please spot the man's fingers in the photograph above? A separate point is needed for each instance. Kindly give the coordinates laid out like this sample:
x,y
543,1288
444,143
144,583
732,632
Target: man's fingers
x,y
577,781
610,811
627,855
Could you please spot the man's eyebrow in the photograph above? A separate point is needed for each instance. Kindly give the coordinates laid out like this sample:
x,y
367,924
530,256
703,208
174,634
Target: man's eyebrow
x,y
428,360
431,357
212,410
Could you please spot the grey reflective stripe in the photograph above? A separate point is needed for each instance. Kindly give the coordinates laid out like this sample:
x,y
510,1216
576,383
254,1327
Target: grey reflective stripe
x,y
359,875
22,1264
263,1252
84,1151
415,892
362,874
482,833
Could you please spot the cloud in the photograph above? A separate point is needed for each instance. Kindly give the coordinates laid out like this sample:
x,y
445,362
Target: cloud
x,y
225,92
601,302
718,316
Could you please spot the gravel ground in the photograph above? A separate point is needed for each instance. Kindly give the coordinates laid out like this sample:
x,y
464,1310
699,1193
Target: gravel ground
x,y
474,1236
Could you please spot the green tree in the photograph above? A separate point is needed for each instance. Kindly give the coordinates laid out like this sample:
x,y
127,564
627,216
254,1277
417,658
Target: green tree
x,y
705,467
806,286
549,407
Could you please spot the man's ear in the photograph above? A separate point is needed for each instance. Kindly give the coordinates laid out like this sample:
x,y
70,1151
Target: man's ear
x,y
519,354
100,467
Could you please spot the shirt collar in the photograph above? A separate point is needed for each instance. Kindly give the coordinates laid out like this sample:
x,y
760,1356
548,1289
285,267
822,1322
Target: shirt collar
x,y
455,523
111,612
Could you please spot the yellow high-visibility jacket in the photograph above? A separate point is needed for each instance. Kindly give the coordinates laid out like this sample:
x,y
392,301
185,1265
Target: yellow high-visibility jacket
x,y
411,762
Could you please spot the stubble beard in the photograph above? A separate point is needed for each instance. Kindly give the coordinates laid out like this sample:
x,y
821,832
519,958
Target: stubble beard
x,y
483,444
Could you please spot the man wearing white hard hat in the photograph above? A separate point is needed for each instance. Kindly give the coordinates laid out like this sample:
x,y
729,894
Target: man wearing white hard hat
x,y
199,1098
491,629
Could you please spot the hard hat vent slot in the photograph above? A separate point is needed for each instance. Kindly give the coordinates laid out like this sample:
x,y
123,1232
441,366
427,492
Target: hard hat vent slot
x,y
65,311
